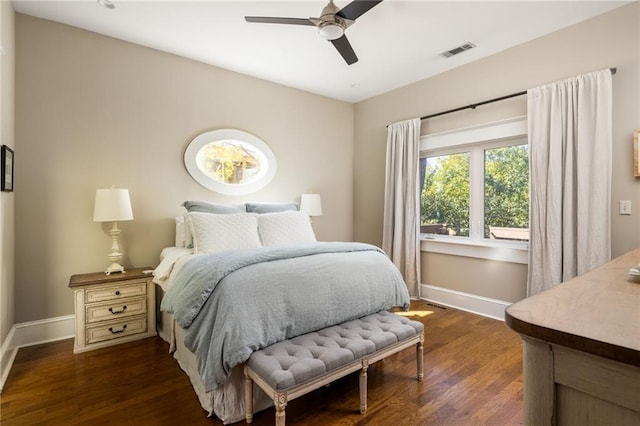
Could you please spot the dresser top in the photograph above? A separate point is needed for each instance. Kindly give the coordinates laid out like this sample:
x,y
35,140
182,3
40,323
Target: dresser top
x,y
81,280
597,312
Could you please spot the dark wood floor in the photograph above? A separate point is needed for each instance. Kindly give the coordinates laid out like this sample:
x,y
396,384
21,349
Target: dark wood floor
x,y
473,376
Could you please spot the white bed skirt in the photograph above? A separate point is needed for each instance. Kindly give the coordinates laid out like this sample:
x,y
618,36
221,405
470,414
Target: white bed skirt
x,y
226,403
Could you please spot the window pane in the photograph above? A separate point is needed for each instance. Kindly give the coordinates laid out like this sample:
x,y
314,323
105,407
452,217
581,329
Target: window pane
x,y
506,193
445,195
231,162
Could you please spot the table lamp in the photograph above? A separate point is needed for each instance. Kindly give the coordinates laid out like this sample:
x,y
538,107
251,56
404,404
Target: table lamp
x,y
113,205
311,204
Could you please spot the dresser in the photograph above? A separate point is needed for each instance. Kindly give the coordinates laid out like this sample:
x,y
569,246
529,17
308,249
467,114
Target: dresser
x,y
113,309
582,348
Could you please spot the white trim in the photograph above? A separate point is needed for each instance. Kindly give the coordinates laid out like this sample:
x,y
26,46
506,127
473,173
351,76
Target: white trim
x,y
515,253
468,302
8,353
33,333
509,128
45,331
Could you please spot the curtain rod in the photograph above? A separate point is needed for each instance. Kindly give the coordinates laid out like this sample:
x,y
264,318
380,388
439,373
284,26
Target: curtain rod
x,y
473,106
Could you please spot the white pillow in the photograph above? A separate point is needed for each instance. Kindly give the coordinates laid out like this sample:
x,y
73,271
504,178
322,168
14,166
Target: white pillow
x,y
180,232
285,228
183,233
213,233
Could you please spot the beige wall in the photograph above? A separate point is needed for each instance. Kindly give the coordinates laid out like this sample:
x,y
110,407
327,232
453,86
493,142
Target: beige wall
x,y
490,278
610,40
7,62
93,111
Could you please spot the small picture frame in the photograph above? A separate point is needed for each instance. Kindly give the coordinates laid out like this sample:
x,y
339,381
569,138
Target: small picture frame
x,y
636,153
7,168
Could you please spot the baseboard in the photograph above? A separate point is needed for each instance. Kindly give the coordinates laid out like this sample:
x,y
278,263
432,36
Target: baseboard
x,y
473,303
44,331
8,352
32,333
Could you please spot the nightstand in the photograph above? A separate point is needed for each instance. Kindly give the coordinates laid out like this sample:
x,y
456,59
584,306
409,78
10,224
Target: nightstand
x,y
113,309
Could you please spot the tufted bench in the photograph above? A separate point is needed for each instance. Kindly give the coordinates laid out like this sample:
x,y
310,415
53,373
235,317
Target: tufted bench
x,y
294,367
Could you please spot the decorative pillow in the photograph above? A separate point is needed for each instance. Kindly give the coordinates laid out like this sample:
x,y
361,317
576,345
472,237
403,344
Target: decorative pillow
x,y
213,233
285,228
271,207
206,207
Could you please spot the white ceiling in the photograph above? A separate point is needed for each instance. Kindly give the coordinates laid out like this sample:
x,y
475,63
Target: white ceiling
x,y
397,42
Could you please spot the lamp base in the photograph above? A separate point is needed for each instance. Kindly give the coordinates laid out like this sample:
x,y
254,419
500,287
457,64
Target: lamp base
x,y
114,267
115,255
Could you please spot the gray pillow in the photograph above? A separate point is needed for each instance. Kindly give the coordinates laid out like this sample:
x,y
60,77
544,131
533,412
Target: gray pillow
x,y
271,207
206,207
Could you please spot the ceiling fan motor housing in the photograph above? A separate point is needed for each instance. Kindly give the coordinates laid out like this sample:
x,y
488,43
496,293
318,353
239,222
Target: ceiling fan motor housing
x,y
329,12
330,26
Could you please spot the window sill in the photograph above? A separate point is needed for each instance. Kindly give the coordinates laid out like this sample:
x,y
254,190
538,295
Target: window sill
x,y
504,252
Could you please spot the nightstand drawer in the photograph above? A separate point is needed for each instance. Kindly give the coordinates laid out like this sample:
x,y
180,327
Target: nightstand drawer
x,y
116,309
116,329
115,292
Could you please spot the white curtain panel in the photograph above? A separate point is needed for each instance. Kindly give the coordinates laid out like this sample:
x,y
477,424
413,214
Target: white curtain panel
x,y
570,142
401,233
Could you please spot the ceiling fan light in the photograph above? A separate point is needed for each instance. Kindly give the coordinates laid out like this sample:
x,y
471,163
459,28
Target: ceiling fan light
x,y
108,4
330,31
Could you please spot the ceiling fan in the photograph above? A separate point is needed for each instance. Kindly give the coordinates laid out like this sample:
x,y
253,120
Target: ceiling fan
x,y
331,24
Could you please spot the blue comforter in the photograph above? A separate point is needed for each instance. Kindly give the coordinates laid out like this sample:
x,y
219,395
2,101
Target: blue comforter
x,y
234,303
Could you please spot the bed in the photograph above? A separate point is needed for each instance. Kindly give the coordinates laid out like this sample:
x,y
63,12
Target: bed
x,y
239,281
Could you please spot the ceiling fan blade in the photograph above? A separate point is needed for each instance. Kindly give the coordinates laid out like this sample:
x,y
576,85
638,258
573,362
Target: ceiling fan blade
x,y
273,20
344,48
356,9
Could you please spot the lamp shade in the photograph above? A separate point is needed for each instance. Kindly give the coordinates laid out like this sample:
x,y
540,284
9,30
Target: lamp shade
x,y
112,204
311,204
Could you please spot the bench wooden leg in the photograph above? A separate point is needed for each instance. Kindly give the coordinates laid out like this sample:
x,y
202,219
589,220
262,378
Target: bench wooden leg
x,y
280,401
363,386
419,358
248,396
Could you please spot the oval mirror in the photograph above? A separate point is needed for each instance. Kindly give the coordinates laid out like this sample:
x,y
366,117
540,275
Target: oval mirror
x,y
230,161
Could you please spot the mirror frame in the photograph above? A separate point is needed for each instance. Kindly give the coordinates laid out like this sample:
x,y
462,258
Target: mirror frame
x,y
206,138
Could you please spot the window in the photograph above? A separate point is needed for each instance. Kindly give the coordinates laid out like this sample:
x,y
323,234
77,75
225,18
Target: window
x,y
506,193
475,185
444,204
230,162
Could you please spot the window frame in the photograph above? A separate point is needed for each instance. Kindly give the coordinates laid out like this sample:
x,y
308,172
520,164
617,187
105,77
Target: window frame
x,y
476,140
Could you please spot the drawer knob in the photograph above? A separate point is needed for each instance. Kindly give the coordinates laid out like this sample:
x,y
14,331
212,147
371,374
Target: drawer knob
x,y
117,292
124,327
124,308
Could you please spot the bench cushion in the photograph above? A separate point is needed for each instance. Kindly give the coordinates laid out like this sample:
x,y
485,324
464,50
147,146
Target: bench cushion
x,y
292,362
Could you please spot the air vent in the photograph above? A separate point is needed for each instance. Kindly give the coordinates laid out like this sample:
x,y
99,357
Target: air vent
x,y
459,49
436,306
